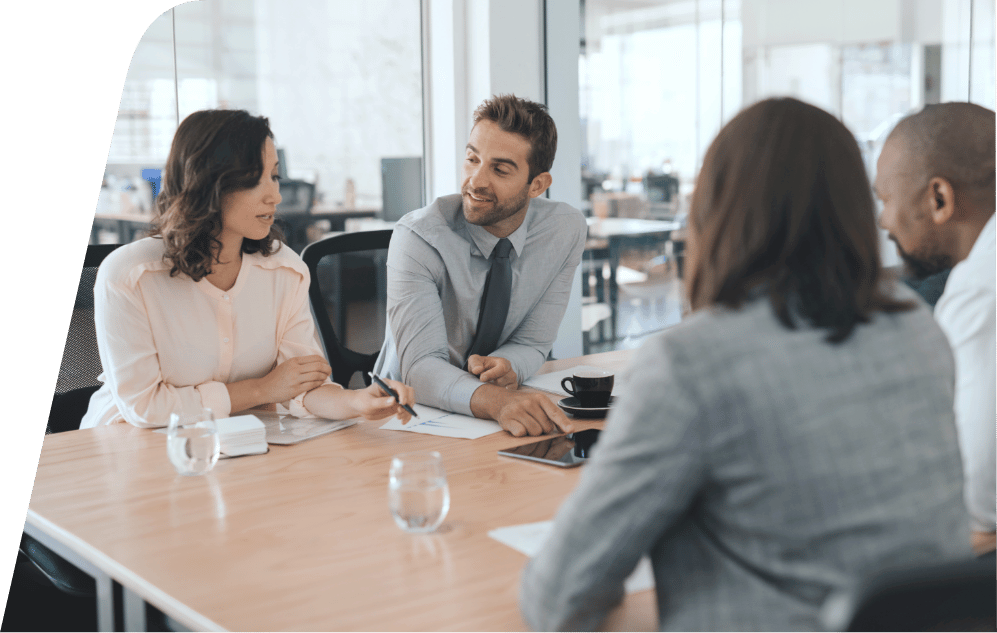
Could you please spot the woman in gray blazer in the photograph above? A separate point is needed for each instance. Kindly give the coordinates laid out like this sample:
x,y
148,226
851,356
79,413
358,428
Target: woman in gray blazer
x,y
792,434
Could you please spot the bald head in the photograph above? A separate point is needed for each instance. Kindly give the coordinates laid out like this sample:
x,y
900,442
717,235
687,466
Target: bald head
x,y
935,178
954,141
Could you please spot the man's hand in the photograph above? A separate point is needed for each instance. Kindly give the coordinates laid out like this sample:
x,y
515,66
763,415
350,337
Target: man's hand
x,y
519,413
983,542
493,369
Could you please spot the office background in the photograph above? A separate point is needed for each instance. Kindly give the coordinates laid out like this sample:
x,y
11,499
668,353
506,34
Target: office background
x,y
637,87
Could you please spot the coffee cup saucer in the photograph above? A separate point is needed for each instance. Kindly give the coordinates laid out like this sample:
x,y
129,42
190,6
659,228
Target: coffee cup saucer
x,y
574,407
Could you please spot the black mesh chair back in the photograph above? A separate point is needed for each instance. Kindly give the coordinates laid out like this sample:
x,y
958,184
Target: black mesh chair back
x,y
80,359
348,295
661,187
294,212
950,597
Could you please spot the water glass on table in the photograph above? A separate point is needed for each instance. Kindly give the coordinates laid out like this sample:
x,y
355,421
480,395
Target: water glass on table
x,y
192,442
418,494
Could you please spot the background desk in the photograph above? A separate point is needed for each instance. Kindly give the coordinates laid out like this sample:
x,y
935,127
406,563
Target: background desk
x,y
619,233
130,227
296,223
301,538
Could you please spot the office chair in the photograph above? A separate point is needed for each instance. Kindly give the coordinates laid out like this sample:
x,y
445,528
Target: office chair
x,y
958,596
661,187
338,277
80,358
76,383
296,196
294,211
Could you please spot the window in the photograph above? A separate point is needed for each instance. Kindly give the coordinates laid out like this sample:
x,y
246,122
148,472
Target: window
x,y
341,85
658,78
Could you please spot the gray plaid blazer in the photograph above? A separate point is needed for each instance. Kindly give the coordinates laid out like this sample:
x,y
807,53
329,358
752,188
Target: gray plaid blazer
x,y
760,468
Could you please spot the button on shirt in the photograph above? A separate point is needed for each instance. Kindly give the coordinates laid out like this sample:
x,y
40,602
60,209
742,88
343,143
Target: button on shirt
x,y
967,313
437,266
171,344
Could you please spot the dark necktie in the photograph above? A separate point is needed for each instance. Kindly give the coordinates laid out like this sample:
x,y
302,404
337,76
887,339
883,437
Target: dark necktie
x,y
494,302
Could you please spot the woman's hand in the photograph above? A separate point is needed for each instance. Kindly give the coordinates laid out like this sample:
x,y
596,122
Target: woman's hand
x,y
294,377
373,404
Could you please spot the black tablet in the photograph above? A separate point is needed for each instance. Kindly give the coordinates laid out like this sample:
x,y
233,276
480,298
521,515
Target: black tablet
x,y
565,451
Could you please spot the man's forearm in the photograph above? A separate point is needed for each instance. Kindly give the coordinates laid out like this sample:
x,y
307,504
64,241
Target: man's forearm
x,y
439,384
487,401
526,360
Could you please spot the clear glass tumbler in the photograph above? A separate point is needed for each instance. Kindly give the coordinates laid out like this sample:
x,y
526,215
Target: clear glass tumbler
x,y
192,442
418,494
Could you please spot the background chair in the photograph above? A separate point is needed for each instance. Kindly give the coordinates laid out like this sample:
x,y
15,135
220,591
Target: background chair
x,y
44,585
296,196
80,358
951,597
294,212
348,294
662,192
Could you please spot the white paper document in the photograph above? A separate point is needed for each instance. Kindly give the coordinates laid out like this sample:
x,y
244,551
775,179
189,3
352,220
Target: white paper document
x,y
436,422
529,539
551,382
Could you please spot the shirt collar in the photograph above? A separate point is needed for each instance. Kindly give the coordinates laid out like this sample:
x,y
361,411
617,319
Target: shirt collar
x,y
485,241
985,240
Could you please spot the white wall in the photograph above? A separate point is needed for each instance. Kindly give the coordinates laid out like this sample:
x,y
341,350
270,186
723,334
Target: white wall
x,y
561,78
781,22
968,74
477,48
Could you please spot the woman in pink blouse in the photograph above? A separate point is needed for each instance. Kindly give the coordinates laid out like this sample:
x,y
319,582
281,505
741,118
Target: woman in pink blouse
x,y
212,311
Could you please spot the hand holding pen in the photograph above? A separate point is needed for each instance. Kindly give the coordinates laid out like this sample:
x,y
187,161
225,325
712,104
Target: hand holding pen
x,y
404,395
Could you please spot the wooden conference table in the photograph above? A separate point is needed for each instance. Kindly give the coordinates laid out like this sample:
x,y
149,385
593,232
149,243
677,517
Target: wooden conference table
x,y
300,538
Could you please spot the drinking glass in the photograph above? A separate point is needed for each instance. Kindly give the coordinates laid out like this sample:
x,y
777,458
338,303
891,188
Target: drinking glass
x,y
418,494
192,442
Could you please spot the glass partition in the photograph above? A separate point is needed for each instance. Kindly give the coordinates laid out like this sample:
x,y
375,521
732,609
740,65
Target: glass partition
x,y
658,78
341,85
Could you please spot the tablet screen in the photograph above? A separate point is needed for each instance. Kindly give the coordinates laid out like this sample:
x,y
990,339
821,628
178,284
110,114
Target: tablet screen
x,y
564,451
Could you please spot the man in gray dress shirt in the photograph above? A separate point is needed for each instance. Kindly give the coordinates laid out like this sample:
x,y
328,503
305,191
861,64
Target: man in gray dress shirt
x,y
439,263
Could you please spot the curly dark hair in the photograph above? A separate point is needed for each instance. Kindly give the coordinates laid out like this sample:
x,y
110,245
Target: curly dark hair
x,y
214,153
528,119
782,204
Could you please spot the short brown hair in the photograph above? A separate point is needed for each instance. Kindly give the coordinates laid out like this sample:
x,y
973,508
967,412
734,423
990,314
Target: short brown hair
x,y
214,153
528,119
783,206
